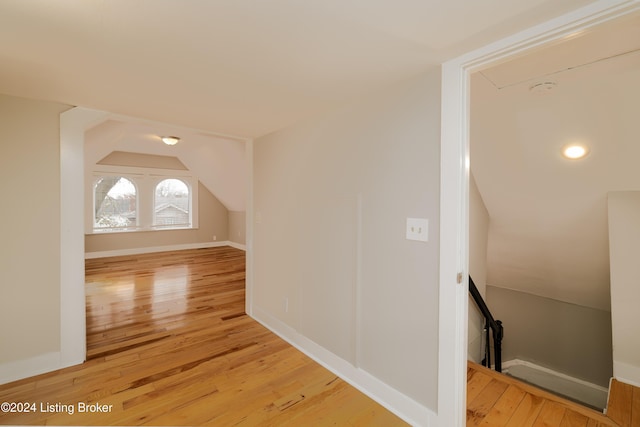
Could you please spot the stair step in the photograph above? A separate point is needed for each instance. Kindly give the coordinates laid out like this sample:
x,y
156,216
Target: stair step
x,y
624,404
497,399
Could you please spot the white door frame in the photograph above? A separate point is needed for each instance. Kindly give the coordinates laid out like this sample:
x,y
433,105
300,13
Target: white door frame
x,y
73,335
73,125
455,163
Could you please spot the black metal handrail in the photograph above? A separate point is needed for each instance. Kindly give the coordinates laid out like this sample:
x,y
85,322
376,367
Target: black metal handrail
x,y
490,324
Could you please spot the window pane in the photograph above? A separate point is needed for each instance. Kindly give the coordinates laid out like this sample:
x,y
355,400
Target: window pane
x,y
172,203
115,203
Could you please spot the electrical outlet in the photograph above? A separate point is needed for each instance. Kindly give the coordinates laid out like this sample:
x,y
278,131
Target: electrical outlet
x,y
215,237
418,229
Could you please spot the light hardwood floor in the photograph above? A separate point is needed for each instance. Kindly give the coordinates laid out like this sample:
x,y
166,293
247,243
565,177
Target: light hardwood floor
x,y
495,399
169,344
624,404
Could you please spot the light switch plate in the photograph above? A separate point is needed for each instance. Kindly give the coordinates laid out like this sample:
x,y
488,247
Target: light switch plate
x,y
418,229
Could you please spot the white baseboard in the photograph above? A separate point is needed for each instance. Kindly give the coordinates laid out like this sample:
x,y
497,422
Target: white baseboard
x,y
19,369
626,373
237,245
574,388
400,404
153,249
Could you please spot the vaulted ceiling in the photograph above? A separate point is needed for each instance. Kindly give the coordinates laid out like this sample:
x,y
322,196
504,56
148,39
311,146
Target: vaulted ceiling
x,y
548,229
218,162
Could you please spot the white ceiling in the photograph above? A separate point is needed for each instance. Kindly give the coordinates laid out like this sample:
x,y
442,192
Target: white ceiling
x,y
548,229
240,67
249,67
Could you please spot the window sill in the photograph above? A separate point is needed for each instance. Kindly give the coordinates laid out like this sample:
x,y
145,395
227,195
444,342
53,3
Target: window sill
x,y
101,232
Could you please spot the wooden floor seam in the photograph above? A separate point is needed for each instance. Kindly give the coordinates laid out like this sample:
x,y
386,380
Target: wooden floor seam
x,y
495,399
169,343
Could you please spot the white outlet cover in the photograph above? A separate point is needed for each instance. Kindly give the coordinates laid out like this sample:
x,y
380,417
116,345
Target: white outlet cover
x,y
418,229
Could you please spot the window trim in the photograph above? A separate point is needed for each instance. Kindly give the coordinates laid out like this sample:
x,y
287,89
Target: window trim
x,y
154,223
145,180
100,230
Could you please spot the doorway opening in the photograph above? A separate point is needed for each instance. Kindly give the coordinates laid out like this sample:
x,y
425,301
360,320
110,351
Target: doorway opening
x,y
75,124
546,266
455,170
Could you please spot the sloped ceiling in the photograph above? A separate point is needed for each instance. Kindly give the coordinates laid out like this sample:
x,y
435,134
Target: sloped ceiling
x,y
548,228
219,163
249,67
239,67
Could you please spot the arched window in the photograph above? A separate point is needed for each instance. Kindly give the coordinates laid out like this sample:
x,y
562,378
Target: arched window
x,y
172,204
115,204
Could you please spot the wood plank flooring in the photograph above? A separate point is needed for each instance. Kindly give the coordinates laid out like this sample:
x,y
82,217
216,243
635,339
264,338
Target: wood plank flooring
x,y
624,404
169,344
495,399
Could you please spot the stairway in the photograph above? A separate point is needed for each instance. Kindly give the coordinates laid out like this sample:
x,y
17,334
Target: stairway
x,y
624,404
494,399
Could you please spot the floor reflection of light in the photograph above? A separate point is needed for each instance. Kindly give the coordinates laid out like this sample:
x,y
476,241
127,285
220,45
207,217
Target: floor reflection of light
x,y
114,299
144,296
167,282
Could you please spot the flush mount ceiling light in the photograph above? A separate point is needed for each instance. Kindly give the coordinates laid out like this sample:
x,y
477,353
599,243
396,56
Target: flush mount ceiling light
x,y
170,140
575,151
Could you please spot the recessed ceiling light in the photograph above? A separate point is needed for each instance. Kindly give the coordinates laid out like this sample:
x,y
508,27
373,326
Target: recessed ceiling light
x,y
170,140
575,151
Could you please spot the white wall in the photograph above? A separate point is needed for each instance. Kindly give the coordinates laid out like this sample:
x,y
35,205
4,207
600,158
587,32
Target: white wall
x,y
30,230
624,247
478,238
331,198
